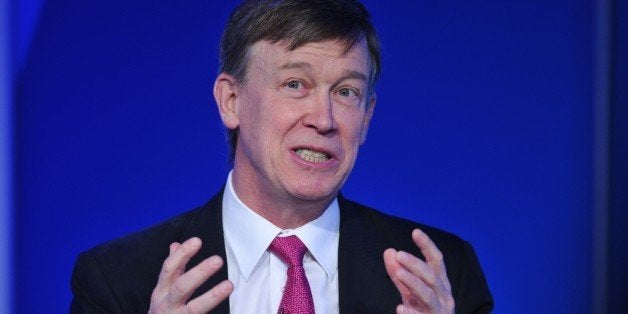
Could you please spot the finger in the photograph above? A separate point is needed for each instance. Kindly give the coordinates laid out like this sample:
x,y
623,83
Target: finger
x,y
392,266
400,309
210,299
174,265
422,293
187,283
434,258
433,255
418,268
429,298
174,246
161,288
440,291
403,309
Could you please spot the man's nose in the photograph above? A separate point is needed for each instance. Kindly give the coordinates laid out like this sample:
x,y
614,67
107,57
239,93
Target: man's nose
x,y
320,115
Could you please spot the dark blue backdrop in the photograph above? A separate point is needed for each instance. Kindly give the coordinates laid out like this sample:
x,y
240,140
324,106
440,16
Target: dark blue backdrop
x,y
483,127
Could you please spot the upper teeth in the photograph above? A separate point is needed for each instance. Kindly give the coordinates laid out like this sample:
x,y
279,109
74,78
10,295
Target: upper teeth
x,y
313,156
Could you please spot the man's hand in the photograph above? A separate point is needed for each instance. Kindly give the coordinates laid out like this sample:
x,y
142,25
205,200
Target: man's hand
x,y
424,286
175,287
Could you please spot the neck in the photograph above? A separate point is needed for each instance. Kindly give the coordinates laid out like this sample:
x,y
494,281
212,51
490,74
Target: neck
x,y
285,212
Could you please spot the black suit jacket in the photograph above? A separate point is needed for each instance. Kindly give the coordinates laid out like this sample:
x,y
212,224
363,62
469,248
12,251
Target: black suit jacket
x,y
119,276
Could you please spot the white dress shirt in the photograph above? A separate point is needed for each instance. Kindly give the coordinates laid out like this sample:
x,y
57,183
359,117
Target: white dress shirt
x,y
259,276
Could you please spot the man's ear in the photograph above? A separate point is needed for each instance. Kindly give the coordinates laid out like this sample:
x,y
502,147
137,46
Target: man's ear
x,y
225,94
370,106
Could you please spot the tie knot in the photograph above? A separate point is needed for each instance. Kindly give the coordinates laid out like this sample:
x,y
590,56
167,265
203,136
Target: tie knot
x,y
289,249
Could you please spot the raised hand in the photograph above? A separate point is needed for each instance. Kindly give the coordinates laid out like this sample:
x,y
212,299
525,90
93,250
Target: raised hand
x,y
423,285
175,286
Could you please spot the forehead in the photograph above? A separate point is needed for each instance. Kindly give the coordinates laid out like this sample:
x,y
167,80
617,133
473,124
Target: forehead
x,y
315,55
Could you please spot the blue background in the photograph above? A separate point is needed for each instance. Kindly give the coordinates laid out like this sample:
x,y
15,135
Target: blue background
x,y
484,127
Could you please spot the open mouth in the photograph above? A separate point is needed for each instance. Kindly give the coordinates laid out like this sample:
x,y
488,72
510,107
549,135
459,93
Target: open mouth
x,y
312,156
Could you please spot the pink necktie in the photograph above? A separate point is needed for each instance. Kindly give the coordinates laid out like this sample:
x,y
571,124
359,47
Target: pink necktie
x,y
297,297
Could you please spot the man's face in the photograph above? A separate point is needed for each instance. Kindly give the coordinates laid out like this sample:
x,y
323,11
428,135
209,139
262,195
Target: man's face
x,y
302,115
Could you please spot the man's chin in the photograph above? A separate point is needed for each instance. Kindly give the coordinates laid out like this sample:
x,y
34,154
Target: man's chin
x,y
313,187
315,195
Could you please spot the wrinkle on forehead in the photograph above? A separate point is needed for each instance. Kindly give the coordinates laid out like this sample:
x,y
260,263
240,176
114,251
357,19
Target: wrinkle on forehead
x,y
265,53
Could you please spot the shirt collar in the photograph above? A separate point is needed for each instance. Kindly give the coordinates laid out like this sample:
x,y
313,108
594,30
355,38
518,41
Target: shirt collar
x,y
249,234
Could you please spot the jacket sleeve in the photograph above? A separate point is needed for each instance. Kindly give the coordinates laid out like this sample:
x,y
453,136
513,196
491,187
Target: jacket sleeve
x,y
473,295
91,289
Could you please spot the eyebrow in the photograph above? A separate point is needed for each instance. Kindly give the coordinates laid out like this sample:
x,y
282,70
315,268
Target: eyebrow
x,y
355,75
349,74
295,65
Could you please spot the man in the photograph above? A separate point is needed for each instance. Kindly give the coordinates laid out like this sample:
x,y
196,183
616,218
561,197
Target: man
x,y
296,93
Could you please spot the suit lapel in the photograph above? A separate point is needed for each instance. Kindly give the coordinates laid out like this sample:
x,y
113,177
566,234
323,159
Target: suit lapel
x,y
207,225
364,285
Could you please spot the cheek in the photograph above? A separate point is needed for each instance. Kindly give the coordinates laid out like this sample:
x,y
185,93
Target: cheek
x,y
281,117
253,113
353,129
272,121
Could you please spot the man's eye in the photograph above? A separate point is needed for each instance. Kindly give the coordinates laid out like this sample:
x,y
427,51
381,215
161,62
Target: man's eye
x,y
294,85
347,92
294,88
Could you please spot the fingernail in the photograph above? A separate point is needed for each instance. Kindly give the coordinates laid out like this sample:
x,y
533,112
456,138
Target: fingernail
x,y
225,286
402,256
214,261
195,242
418,233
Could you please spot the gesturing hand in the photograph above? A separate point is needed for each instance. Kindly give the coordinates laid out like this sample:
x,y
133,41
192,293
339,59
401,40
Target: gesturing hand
x,y
175,287
424,286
